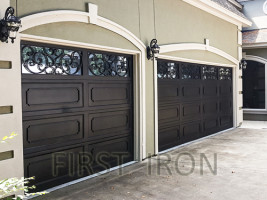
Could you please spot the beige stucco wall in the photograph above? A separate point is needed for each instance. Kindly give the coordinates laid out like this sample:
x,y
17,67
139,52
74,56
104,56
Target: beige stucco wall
x,y
175,22
179,22
10,90
200,55
80,32
261,52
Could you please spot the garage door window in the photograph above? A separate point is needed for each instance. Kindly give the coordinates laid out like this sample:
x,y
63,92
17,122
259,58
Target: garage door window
x,y
48,60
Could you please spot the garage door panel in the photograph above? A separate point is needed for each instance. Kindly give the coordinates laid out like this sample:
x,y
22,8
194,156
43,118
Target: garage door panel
x,y
75,100
169,114
226,106
110,123
42,96
53,130
111,153
210,89
226,121
206,101
168,93
210,108
226,88
109,94
210,126
169,137
191,111
43,167
191,131
191,91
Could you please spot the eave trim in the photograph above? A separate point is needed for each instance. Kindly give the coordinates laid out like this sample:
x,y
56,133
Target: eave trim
x,y
219,11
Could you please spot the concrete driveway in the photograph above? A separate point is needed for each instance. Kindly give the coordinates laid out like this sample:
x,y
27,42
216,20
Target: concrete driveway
x,y
231,165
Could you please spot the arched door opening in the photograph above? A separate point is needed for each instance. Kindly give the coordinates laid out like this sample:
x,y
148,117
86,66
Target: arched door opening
x,y
254,95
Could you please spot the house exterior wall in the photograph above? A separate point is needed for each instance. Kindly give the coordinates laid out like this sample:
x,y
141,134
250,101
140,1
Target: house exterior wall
x,y
175,20
11,164
260,52
169,21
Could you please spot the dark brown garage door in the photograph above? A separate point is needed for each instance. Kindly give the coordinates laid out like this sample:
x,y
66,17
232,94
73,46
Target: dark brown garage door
x,y
77,112
194,101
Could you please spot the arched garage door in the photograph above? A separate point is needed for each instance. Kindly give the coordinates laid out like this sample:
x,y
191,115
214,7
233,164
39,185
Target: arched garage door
x,y
77,112
193,101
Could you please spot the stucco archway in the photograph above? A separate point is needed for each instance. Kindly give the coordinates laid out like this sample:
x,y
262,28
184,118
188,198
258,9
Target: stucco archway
x,y
92,17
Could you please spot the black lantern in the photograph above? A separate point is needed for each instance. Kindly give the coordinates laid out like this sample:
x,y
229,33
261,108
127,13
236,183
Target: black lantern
x,y
243,64
9,26
153,49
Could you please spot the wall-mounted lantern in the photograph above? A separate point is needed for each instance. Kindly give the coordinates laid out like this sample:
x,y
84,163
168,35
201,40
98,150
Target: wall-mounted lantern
x,y
153,49
243,64
9,26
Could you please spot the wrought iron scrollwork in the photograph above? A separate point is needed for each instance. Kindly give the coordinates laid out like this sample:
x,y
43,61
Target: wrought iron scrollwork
x,y
225,73
168,70
190,71
108,65
209,73
47,60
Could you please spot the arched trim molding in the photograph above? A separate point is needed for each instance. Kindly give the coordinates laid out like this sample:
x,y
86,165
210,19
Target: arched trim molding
x,y
92,17
82,17
197,46
256,58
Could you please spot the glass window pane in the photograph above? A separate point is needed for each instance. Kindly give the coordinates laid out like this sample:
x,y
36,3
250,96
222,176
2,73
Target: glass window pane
x,y
52,61
108,65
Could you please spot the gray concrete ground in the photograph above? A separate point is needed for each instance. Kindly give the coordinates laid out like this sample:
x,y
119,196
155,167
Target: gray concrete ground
x,y
241,173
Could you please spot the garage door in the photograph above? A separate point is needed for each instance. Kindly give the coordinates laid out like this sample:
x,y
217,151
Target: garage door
x,y
77,112
194,101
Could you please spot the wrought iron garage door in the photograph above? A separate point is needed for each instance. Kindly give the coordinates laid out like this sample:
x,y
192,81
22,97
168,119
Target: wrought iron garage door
x,y
194,101
77,112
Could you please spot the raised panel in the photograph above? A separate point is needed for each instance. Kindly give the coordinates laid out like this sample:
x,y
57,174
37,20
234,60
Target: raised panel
x,y
191,91
169,137
226,106
169,114
109,94
52,168
53,130
110,123
210,125
226,88
191,111
112,153
191,131
168,92
226,121
44,96
210,108
210,90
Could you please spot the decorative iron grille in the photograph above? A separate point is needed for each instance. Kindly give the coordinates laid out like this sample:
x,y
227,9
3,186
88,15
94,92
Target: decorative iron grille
x,y
168,70
101,64
190,71
209,73
225,73
48,60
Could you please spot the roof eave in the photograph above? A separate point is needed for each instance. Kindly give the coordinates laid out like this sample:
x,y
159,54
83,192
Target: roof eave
x,y
219,11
